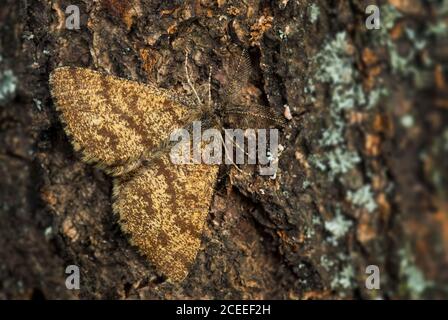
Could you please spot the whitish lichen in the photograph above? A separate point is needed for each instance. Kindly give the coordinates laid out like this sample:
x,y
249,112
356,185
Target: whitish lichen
x,y
8,84
337,161
48,232
344,279
326,263
407,121
305,184
399,63
363,197
414,280
310,90
405,63
375,96
439,28
338,226
313,13
335,67
342,161
438,149
335,64
333,136
389,15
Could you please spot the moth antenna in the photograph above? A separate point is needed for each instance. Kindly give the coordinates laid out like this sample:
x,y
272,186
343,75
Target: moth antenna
x,y
239,77
271,115
210,88
188,78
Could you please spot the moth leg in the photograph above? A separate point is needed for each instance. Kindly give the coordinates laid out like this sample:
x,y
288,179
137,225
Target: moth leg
x,y
226,152
188,78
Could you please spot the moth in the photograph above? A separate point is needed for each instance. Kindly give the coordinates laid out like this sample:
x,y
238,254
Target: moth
x,y
122,127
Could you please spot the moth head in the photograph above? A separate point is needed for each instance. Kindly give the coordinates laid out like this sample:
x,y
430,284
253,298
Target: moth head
x,y
211,114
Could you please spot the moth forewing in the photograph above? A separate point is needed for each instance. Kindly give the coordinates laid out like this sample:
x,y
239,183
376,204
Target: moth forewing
x,y
113,121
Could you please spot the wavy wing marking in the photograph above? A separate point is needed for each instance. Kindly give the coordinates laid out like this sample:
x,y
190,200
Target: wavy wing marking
x,y
164,207
112,121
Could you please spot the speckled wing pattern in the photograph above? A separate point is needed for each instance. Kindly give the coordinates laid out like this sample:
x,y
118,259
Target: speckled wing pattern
x,y
113,122
165,219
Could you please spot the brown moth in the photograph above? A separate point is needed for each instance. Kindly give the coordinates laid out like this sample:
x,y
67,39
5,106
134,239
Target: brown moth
x,y
123,127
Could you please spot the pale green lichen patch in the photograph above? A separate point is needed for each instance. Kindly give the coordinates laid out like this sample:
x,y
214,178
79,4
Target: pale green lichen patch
x,y
375,96
282,35
407,121
335,63
326,263
338,226
404,63
363,197
342,161
414,282
48,232
439,28
313,13
338,161
310,90
344,279
389,16
8,85
335,67
334,135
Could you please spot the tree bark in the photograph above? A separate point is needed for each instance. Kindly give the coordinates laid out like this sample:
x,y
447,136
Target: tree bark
x,y
362,177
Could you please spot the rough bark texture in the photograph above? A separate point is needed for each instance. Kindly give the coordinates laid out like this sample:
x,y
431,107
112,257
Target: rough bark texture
x,y
362,178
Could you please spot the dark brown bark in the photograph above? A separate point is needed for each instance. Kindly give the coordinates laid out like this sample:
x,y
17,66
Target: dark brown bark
x,y
305,234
